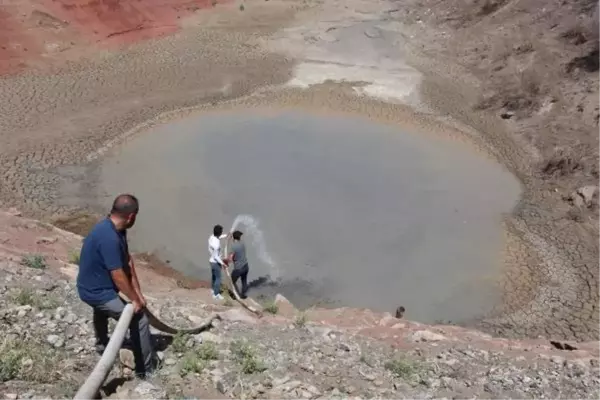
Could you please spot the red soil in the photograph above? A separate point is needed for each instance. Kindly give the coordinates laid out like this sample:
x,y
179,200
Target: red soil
x,y
15,43
31,29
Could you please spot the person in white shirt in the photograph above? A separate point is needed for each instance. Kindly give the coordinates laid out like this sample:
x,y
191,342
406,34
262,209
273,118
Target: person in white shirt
x,y
216,263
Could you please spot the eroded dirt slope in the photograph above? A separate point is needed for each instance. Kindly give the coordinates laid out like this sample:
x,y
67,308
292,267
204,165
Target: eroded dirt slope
x,y
33,31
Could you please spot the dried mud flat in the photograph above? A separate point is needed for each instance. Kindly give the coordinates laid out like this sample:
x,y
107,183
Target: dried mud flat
x,y
57,122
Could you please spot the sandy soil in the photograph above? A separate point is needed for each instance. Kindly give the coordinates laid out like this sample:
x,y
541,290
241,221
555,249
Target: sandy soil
x,y
66,109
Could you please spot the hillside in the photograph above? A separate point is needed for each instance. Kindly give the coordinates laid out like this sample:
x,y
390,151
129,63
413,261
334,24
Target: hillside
x,y
47,346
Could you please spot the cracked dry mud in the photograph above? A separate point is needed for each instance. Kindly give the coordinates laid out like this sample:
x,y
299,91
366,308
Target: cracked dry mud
x,y
56,123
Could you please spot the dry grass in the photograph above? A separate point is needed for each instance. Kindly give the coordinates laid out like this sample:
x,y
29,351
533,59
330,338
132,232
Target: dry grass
x,y
179,342
197,360
300,320
403,368
29,297
28,361
247,357
74,257
35,261
271,307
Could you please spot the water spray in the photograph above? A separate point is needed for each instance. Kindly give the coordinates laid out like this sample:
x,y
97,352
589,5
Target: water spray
x,y
258,241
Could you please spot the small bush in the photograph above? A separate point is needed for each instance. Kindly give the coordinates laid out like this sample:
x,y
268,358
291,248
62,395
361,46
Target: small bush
x,y
191,364
197,360
25,297
179,342
271,307
28,297
208,351
402,368
28,361
34,261
300,320
245,355
74,257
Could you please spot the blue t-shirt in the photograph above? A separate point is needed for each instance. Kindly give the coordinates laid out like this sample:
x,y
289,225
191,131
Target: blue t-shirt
x,y
104,250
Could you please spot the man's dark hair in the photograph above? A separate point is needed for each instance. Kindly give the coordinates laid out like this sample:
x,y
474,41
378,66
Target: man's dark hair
x,y
237,235
125,204
217,230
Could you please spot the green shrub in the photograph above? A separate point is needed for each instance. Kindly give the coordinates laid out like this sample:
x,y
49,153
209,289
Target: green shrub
x,y
246,357
36,261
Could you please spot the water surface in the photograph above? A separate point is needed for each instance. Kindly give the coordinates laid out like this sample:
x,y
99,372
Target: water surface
x,y
351,211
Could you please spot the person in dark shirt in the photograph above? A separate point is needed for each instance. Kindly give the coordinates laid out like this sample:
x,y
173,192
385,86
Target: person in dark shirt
x,y
237,254
105,268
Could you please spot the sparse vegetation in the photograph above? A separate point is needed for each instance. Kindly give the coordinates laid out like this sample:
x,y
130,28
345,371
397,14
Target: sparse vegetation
x,y
191,364
208,351
246,356
271,307
402,368
28,297
26,360
365,360
74,257
179,342
35,261
228,302
196,360
300,320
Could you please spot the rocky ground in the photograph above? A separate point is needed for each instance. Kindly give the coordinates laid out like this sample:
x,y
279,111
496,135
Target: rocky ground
x,y
47,344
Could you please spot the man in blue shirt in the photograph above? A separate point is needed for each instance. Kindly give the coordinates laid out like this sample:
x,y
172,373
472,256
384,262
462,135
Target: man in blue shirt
x,y
105,268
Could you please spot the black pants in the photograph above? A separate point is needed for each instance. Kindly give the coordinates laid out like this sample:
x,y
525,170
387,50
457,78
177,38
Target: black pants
x,y
241,273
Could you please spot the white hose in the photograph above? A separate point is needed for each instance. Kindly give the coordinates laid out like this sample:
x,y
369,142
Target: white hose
x,y
92,384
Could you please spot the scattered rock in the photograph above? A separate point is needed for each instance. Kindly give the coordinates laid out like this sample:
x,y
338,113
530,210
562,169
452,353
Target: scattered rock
x,y
127,358
150,391
585,196
170,361
372,33
55,341
208,337
14,212
238,315
284,306
46,240
426,336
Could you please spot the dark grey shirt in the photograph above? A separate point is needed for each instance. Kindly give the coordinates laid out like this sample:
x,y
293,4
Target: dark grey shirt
x,y
239,254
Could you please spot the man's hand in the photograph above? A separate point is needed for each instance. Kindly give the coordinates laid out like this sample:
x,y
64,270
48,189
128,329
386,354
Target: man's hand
x,y
137,307
142,300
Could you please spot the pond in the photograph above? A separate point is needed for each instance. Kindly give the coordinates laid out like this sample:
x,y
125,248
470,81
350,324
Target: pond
x,y
338,209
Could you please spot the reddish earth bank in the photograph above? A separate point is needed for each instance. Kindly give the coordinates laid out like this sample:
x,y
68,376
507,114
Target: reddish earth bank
x,y
33,29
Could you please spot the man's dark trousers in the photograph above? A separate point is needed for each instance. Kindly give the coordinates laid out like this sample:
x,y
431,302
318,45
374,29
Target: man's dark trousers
x,y
241,273
139,332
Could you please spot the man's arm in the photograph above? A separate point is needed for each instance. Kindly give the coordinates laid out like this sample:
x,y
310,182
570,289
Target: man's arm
x,y
120,279
110,251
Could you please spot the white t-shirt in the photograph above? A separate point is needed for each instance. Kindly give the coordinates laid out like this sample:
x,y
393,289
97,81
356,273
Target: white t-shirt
x,y
214,249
